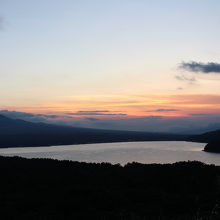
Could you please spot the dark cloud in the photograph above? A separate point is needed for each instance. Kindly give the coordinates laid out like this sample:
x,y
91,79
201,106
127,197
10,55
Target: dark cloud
x,y
92,119
195,67
199,114
48,116
97,112
167,110
152,117
30,116
15,114
164,110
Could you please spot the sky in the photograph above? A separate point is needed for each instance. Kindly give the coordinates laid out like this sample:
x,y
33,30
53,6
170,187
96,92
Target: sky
x,y
114,64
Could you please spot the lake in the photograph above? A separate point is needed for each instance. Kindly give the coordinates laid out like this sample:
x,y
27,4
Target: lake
x,y
124,152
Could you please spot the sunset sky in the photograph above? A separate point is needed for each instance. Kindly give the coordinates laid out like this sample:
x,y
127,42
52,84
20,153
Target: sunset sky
x,y
116,64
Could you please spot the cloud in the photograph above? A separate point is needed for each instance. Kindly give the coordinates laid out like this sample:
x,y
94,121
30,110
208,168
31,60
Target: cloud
x,y
15,114
180,88
92,119
195,67
164,110
96,112
31,117
152,117
199,114
185,78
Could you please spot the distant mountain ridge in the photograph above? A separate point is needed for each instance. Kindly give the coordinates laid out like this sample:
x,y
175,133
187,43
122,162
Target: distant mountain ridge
x,y
20,133
212,136
19,126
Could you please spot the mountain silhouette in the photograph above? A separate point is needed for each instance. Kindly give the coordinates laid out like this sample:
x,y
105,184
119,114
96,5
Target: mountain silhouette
x,y
20,133
212,136
18,126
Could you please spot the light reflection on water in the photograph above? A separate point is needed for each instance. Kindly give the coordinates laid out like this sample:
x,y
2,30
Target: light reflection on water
x,y
124,152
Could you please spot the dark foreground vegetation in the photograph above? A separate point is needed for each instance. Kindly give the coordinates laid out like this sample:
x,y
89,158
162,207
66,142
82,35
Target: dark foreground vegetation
x,y
44,189
212,138
213,147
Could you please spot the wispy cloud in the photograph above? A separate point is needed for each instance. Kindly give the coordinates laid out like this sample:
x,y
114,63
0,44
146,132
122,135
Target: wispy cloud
x,y
185,78
92,119
195,67
199,114
152,117
164,110
96,112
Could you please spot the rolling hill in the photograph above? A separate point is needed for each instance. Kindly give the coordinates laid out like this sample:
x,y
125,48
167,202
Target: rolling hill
x,y
212,136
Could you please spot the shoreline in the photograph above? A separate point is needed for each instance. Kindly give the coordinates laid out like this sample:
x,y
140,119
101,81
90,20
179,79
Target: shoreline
x,y
112,164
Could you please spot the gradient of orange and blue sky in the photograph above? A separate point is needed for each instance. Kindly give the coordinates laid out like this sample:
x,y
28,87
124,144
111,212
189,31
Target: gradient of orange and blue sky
x,y
116,64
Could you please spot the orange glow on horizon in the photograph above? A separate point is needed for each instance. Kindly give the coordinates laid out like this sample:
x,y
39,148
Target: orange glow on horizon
x,y
131,105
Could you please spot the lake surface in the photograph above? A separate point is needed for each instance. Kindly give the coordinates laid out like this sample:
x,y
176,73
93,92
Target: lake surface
x,y
143,152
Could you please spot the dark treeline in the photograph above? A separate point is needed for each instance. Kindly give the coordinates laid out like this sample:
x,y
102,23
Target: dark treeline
x,y
41,189
212,138
213,147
